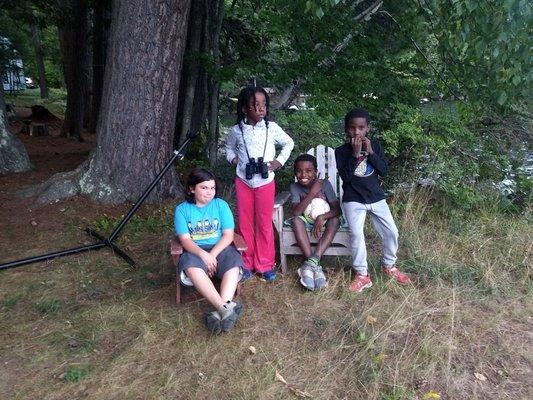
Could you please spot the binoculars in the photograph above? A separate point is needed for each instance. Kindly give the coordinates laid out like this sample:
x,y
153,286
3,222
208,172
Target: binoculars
x,y
259,167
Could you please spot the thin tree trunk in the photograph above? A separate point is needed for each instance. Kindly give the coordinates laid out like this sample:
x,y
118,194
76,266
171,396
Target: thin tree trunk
x,y
191,66
73,42
101,25
217,17
39,59
13,155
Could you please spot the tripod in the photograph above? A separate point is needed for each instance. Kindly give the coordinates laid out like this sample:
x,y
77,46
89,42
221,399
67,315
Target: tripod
x,y
103,241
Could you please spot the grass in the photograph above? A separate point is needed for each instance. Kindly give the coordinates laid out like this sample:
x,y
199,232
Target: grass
x,y
91,327
56,102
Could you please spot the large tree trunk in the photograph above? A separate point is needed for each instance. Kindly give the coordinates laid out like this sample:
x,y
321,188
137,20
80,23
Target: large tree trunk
x,y
39,58
13,156
139,102
73,31
101,25
138,112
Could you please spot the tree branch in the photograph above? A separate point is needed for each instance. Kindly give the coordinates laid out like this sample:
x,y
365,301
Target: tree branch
x,y
288,93
452,91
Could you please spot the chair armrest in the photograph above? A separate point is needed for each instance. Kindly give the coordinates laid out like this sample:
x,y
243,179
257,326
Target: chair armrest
x,y
281,198
239,243
175,246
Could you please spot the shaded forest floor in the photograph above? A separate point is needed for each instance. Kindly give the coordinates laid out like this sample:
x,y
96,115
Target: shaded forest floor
x,y
89,326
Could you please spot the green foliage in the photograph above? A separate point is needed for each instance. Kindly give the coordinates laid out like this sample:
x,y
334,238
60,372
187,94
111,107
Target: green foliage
x,y
15,24
307,129
488,46
441,146
103,224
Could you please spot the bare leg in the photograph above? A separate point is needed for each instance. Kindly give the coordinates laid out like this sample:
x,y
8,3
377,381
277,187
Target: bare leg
x,y
332,226
205,286
300,233
229,284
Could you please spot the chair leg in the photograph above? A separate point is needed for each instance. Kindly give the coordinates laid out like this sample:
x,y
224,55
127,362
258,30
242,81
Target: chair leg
x,y
283,261
178,290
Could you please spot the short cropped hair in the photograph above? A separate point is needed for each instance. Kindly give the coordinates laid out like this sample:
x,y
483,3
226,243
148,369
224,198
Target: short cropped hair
x,y
305,157
356,113
196,176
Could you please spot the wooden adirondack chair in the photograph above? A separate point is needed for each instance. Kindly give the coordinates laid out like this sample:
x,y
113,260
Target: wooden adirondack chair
x,y
327,169
185,294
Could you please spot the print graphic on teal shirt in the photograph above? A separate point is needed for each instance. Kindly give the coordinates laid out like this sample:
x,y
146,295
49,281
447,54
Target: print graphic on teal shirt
x,y
205,229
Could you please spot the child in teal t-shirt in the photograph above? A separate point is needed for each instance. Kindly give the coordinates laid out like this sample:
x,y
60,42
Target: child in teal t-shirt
x,y
204,225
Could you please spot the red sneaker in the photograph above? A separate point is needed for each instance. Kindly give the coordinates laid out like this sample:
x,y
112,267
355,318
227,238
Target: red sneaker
x,y
359,283
397,275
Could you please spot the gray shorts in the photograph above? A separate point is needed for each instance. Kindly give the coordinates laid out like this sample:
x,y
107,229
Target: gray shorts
x,y
226,260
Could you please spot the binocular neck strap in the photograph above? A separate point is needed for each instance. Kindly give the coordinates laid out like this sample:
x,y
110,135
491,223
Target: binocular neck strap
x,y
246,146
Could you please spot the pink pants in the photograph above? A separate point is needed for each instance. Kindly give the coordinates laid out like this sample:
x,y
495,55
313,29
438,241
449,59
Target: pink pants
x,y
254,213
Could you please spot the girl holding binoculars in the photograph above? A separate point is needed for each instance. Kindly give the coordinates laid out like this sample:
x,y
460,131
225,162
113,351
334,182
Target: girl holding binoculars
x,y
251,146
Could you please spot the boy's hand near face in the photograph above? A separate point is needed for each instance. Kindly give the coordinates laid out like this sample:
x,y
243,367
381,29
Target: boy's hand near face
x,y
357,144
368,145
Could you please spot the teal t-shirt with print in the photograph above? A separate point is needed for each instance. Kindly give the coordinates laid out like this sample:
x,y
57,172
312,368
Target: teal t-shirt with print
x,y
204,224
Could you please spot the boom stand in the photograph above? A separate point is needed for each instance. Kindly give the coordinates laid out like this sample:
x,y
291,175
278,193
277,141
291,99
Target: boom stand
x,y
106,242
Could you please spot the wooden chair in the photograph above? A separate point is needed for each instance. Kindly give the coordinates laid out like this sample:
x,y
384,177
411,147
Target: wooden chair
x,y
327,168
185,294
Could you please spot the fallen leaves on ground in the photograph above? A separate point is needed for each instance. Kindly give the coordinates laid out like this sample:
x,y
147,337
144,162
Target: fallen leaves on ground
x,y
296,391
431,395
480,377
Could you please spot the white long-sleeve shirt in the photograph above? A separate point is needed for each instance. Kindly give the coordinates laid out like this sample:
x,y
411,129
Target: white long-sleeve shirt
x,y
255,137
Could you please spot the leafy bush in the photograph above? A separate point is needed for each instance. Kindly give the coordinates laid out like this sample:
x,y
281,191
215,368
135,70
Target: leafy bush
x,y
443,147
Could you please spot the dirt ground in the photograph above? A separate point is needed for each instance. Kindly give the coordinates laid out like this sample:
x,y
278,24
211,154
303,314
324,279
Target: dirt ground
x,y
20,219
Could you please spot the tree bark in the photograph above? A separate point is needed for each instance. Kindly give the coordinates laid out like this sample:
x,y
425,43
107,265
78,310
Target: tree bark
x,y
39,58
73,31
139,102
101,25
13,155
138,112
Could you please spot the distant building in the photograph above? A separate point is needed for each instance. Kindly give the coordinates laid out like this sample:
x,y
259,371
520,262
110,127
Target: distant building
x,y
13,78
